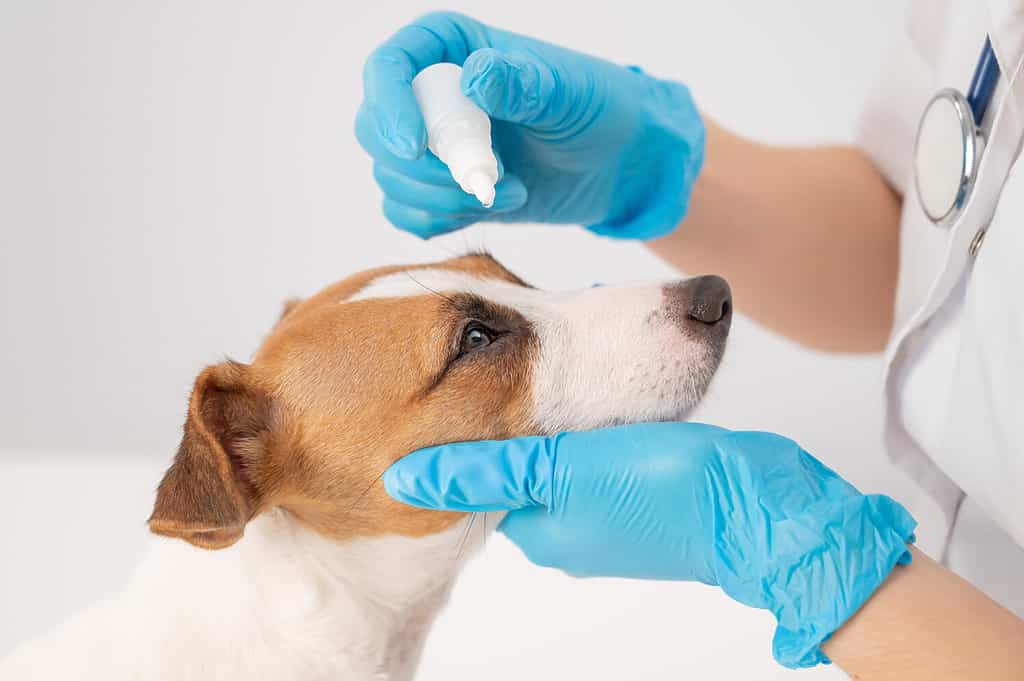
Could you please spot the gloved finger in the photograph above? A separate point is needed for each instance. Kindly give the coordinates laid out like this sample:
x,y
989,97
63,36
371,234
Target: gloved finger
x,y
389,100
476,476
422,223
518,87
389,70
427,168
510,194
543,539
549,542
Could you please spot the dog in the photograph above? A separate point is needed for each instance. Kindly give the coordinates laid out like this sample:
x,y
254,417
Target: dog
x,y
276,554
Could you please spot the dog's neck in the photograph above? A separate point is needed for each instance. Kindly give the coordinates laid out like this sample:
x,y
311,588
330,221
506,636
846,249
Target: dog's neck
x,y
287,603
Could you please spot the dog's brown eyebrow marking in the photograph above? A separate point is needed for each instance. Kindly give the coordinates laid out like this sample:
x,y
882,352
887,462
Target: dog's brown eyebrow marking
x,y
469,306
472,305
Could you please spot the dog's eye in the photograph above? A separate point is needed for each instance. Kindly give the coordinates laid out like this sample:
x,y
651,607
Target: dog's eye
x,y
475,337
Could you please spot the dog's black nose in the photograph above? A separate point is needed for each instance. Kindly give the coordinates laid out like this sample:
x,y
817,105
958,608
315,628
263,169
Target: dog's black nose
x,y
699,303
710,301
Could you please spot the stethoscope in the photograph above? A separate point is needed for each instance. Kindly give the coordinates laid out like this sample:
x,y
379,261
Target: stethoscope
x,y
950,142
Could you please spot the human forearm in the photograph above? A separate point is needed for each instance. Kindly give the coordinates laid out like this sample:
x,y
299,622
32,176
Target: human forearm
x,y
925,623
807,237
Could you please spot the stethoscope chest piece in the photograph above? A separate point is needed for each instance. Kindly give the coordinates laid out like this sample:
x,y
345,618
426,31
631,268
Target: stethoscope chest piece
x,y
949,142
946,155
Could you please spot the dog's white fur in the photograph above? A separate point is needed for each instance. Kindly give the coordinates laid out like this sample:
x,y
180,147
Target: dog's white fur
x,y
285,603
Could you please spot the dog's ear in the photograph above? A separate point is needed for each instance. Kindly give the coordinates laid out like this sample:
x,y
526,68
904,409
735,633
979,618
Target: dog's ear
x,y
207,495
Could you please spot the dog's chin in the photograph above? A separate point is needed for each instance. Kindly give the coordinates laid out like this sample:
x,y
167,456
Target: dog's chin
x,y
677,412
693,387
678,409
681,414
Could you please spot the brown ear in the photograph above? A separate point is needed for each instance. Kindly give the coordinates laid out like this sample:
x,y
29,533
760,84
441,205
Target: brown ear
x,y
207,495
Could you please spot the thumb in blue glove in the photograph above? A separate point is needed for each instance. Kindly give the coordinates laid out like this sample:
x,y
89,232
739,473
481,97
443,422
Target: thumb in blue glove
x,y
750,512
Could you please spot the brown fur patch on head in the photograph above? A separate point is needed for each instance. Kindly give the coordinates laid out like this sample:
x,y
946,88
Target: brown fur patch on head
x,y
347,389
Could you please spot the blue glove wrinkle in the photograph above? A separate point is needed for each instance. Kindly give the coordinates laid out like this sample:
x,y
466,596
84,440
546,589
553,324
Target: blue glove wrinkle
x,y
533,466
864,538
822,547
510,87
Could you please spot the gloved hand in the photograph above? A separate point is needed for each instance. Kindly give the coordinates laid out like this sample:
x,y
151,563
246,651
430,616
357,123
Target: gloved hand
x,y
579,140
750,512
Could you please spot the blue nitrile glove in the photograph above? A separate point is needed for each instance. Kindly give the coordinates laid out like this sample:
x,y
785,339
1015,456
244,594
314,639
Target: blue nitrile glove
x,y
750,512
579,140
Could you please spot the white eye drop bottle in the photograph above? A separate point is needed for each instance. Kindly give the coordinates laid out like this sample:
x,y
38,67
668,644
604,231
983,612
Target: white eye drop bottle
x,y
458,131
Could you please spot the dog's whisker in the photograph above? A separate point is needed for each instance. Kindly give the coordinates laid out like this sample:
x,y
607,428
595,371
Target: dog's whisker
x,y
465,536
483,536
428,289
462,535
439,243
366,491
483,239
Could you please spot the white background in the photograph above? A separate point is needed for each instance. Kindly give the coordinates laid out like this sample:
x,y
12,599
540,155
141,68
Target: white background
x,y
171,172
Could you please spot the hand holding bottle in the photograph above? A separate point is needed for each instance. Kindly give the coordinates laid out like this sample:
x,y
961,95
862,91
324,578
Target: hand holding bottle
x,y
579,140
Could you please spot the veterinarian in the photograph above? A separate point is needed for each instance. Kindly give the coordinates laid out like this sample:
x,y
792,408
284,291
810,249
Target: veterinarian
x,y
911,241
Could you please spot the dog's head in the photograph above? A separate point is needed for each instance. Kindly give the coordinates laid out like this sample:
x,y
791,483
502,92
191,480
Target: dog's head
x,y
399,358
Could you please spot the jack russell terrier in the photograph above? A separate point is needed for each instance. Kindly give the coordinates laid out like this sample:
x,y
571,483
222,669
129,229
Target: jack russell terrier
x,y
278,556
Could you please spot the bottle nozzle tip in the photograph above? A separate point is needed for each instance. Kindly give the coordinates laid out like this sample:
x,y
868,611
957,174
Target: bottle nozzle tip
x,y
483,189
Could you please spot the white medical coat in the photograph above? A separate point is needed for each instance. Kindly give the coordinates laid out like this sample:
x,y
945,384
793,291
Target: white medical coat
x,y
955,363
